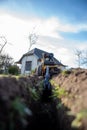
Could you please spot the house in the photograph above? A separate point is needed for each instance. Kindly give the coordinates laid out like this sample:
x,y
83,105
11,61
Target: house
x,y
32,59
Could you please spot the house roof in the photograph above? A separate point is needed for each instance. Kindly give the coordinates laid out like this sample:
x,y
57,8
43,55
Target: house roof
x,y
39,54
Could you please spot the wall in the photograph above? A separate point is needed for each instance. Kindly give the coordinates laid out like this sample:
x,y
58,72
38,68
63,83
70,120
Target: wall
x,y
32,58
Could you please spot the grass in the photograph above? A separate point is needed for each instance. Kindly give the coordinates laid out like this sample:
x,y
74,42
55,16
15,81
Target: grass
x,y
8,75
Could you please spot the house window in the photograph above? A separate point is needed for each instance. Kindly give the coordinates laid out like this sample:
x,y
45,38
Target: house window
x,y
28,65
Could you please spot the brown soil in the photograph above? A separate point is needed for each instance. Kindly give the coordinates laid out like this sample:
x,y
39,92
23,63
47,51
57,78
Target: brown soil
x,y
16,101
75,84
19,109
16,97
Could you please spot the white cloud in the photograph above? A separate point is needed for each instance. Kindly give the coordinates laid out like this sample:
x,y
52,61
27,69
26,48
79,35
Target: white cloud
x,y
60,49
17,31
81,45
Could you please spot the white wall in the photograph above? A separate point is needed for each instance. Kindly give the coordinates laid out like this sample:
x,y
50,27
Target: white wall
x,y
32,58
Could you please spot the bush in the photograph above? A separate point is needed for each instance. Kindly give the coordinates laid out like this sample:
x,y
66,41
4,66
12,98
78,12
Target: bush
x,y
14,70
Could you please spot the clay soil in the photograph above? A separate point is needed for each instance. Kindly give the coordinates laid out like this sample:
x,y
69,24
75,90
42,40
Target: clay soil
x,y
19,109
74,82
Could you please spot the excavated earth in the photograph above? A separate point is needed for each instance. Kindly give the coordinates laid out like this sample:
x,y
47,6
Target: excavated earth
x,y
74,82
24,106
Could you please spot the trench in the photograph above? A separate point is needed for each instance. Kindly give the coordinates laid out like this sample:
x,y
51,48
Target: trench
x,y
49,117
46,114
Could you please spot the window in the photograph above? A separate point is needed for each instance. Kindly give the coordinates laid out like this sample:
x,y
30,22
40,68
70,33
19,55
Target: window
x,y
28,65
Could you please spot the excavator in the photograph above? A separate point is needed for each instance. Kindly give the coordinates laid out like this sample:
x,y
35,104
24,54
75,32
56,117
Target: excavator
x,y
47,69
48,61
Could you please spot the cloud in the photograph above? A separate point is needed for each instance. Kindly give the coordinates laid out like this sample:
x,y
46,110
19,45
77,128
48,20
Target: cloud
x,y
81,45
64,50
17,30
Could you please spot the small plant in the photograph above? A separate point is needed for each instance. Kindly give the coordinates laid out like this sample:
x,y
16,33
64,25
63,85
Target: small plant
x,y
77,122
54,84
66,72
58,91
34,94
19,112
59,105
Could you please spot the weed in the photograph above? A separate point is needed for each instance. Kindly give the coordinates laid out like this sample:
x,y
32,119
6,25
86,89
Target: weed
x,y
77,122
58,91
34,94
59,105
66,72
19,111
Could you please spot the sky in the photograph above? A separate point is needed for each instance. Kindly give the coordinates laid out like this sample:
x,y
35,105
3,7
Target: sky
x,y
60,25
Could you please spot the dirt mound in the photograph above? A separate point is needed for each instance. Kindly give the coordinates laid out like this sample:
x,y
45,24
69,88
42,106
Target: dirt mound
x,y
74,82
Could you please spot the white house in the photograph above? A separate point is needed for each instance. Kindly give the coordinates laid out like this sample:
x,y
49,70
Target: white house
x,y
31,60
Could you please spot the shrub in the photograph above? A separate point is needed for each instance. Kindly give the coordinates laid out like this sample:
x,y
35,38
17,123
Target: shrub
x,y
14,70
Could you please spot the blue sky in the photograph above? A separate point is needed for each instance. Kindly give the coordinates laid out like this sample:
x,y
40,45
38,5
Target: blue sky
x,y
72,10
60,24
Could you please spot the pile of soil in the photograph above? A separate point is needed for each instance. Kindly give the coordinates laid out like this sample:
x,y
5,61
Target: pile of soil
x,y
74,82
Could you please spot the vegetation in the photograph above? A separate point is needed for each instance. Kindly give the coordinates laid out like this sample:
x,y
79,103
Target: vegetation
x,y
66,72
21,110
34,94
77,122
58,91
14,70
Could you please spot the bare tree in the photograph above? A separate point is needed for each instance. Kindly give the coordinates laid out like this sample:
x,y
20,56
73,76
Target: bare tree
x,y
84,58
78,53
4,42
5,59
32,39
